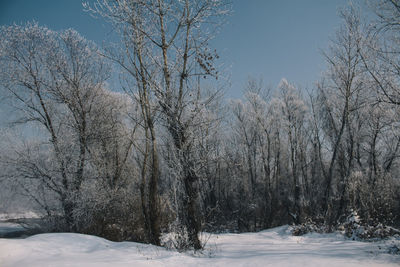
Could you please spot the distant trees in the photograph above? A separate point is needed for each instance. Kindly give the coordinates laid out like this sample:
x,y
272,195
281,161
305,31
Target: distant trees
x,y
55,81
293,120
294,159
250,156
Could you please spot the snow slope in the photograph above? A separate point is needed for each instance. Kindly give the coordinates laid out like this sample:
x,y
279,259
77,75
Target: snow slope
x,y
274,247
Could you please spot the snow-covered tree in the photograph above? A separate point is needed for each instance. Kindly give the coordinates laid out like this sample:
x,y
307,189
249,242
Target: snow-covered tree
x,y
55,81
167,44
340,93
292,111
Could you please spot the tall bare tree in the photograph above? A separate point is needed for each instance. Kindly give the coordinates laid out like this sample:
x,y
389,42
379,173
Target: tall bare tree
x,y
345,81
167,45
54,80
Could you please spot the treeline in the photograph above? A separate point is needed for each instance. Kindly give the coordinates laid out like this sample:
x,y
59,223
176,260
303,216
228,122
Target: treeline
x,y
168,154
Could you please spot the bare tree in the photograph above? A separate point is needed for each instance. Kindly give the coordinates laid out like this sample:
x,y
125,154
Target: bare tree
x,y
293,111
170,55
381,55
54,80
345,83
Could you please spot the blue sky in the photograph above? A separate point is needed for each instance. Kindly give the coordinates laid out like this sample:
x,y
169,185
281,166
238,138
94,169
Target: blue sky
x,y
271,39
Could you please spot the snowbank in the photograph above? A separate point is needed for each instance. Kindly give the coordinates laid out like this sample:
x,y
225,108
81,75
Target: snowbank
x,y
20,215
274,247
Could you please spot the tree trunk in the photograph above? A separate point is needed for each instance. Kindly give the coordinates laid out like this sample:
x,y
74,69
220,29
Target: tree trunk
x,y
154,213
192,222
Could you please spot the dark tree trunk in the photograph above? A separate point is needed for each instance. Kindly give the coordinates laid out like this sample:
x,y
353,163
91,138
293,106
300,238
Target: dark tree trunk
x,y
192,220
154,215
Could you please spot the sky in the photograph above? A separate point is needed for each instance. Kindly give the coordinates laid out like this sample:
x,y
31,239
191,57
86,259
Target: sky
x,y
264,39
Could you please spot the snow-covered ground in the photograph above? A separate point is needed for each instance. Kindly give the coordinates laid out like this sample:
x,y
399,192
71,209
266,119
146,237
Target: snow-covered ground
x,y
19,215
274,247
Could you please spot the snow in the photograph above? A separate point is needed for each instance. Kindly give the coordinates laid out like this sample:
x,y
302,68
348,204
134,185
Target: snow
x,y
274,247
20,215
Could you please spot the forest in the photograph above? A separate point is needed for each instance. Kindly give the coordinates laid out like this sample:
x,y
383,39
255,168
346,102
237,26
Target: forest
x,y
161,150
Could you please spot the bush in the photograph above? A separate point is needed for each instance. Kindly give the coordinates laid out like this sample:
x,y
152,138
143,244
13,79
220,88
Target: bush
x,y
356,229
309,226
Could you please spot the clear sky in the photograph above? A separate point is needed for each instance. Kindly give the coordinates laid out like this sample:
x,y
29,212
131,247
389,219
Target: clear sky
x,y
271,39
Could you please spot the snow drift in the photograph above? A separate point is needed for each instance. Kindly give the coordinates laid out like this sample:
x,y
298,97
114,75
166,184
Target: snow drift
x,y
274,247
